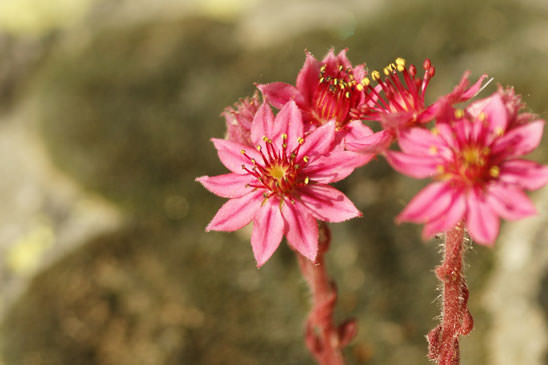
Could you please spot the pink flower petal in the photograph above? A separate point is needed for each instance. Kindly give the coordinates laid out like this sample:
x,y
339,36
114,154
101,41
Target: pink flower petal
x,y
418,166
327,203
268,230
429,203
230,154
236,213
307,79
227,185
279,93
335,166
420,141
481,220
302,229
509,202
319,141
519,141
448,219
263,124
288,122
375,143
527,174
473,90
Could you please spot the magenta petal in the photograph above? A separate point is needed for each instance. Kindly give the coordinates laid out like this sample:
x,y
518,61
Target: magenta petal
x,y
263,124
473,90
519,141
418,166
527,174
227,185
429,203
375,143
307,79
509,202
288,122
230,154
236,213
327,203
335,166
448,219
302,229
279,93
319,141
268,230
419,141
481,220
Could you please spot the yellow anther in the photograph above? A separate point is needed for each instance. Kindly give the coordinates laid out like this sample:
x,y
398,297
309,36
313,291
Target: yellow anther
x,y
400,61
265,139
375,75
494,171
306,180
386,71
322,69
300,140
341,67
359,87
499,131
335,81
433,150
365,82
482,116
284,145
242,151
284,136
306,159
400,68
440,169
435,131
258,147
347,94
321,80
459,113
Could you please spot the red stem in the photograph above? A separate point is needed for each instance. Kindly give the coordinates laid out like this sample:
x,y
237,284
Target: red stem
x,y
324,339
456,320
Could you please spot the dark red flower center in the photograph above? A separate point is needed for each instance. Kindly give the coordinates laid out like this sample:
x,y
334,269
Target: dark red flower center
x,y
335,95
280,172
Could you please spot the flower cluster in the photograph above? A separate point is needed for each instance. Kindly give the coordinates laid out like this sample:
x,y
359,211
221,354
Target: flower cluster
x,y
281,164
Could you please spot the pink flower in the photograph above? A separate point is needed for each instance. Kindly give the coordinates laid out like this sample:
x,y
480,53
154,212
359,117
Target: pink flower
x,y
281,185
478,174
398,100
327,90
238,121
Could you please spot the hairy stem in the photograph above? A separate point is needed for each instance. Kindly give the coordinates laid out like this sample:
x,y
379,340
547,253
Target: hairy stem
x,y
456,320
324,339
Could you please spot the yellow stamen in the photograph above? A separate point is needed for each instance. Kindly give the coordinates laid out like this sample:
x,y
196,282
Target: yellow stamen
x,y
494,171
433,150
459,113
300,140
375,75
359,87
435,131
306,180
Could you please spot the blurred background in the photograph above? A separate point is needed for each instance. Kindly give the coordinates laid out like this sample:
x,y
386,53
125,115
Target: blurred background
x,y
106,110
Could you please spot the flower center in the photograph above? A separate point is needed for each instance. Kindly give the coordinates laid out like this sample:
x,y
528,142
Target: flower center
x,y
471,167
335,95
280,172
399,92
